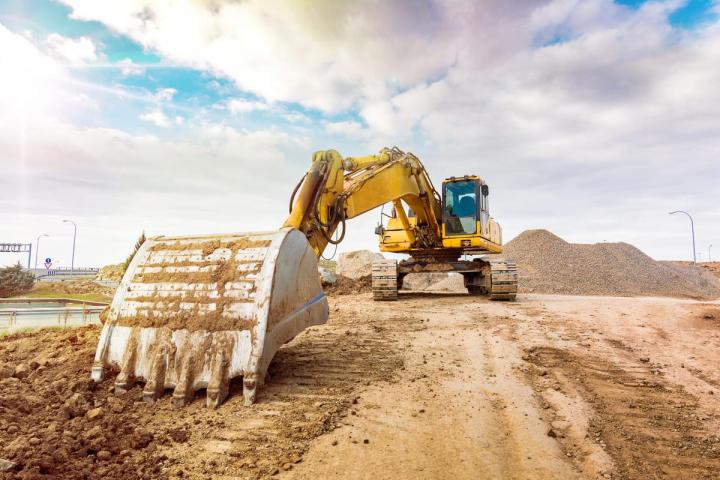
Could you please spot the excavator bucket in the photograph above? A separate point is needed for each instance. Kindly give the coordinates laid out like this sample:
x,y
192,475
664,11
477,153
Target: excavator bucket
x,y
193,313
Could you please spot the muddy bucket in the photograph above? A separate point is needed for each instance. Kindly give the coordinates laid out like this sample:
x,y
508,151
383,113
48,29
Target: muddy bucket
x,y
193,313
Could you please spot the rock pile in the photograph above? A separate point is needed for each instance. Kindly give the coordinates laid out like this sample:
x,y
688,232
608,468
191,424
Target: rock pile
x,y
422,281
356,264
549,264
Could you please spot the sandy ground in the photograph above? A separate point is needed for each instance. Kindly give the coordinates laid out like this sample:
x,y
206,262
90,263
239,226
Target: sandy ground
x,y
437,386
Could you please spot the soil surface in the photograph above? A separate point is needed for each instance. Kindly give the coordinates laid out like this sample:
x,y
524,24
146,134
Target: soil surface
x,y
431,386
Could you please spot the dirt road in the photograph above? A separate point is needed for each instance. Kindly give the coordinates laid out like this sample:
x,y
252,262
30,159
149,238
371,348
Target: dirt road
x,y
432,386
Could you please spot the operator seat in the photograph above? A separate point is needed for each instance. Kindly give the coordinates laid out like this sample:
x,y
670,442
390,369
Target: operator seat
x,y
466,207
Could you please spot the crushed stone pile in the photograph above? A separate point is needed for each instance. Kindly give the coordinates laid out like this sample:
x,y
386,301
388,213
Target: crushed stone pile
x,y
712,267
356,264
549,264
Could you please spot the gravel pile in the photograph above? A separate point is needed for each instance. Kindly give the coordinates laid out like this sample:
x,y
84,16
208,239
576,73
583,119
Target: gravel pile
x,y
549,264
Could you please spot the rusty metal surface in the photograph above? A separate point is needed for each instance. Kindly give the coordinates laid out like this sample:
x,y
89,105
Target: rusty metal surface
x,y
195,312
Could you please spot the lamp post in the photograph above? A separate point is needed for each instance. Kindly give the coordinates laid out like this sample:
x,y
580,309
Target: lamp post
x,y
37,247
692,231
72,262
709,255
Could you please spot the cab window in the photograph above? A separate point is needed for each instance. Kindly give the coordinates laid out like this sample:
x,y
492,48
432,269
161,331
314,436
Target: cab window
x,y
460,209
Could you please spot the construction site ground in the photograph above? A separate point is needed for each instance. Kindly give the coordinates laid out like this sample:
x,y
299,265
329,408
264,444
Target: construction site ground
x,y
431,386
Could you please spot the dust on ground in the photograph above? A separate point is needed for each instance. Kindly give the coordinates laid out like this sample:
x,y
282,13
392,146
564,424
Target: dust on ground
x,y
431,386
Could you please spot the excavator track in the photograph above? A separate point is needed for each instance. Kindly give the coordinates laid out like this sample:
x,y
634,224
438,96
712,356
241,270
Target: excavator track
x,y
504,279
385,280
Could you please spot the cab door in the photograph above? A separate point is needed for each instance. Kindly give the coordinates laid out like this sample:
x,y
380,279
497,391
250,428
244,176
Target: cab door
x,y
484,214
460,208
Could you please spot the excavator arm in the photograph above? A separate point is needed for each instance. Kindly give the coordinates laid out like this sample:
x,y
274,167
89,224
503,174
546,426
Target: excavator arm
x,y
336,189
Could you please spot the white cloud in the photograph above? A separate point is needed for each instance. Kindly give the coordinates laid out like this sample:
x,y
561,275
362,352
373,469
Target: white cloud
x,y
29,83
329,57
129,68
85,101
241,105
158,118
296,117
165,94
72,50
347,128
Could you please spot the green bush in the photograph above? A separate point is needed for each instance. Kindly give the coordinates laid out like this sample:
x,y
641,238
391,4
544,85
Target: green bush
x,y
14,281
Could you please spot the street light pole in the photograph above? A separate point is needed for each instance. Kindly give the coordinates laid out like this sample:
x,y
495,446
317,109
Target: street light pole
x,y
72,263
692,231
37,247
709,255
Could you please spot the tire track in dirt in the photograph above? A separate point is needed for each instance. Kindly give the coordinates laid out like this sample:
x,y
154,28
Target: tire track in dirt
x,y
651,429
458,409
309,389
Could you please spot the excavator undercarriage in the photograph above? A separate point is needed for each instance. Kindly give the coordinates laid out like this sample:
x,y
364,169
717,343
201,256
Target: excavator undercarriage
x,y
490,276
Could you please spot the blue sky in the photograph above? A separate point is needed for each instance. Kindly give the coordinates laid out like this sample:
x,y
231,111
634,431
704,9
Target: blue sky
x,y
198,89
144,121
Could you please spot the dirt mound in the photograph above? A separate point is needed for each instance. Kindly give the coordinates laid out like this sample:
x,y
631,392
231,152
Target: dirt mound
x,y
356,264
112,273
549,264
349,286
74,287
56,423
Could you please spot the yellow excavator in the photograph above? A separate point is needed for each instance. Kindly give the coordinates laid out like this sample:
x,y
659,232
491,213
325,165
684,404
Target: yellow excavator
x,y
194,312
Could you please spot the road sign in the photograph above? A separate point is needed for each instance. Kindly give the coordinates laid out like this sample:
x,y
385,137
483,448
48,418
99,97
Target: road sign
x,y
48,263
48,260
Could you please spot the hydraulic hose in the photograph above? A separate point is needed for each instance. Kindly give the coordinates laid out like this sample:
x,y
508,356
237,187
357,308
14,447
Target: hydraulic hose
x,y
294,192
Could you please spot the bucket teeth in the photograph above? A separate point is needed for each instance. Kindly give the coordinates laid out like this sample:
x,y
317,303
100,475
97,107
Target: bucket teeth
x,y
249,390
155,385
183,390
126,378
218,388
189,362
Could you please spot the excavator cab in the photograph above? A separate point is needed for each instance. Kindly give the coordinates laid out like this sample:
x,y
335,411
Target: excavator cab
x,y
466,220
461,206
